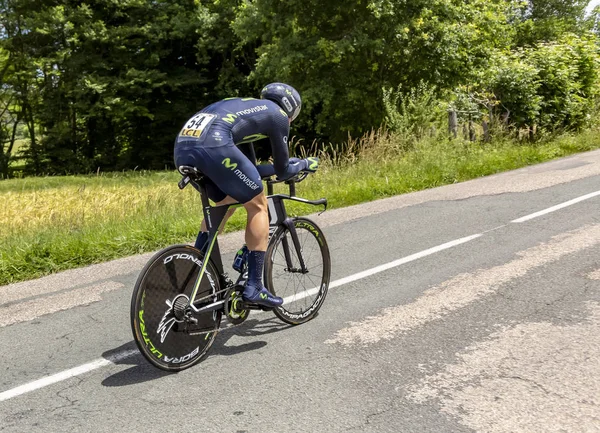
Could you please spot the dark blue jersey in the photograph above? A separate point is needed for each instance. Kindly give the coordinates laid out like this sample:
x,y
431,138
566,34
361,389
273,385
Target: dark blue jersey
x,y
241,120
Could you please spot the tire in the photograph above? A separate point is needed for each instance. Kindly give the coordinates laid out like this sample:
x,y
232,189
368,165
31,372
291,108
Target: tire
x,y
164,341
303,294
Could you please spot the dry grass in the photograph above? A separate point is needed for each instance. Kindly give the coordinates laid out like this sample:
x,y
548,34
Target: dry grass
x,y
75,207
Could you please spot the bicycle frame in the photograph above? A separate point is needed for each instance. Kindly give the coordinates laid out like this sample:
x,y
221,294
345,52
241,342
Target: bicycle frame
x,y
214,215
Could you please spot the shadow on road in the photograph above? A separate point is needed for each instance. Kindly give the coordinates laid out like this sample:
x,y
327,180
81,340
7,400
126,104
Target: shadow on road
x,y
142,371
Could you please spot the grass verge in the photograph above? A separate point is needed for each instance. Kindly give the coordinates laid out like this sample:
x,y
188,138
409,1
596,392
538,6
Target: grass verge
x,y
52,224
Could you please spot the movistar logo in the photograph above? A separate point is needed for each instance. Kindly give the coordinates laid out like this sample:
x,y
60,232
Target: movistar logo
x,y
233,166
252,110
227,163
230,118
314,163
263,296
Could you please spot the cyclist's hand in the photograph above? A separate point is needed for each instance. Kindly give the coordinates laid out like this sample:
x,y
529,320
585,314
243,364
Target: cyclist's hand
x,y
312,164
295,166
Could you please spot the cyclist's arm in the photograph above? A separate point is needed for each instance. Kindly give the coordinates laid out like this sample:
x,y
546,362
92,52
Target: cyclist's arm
x,y
278,136
266,170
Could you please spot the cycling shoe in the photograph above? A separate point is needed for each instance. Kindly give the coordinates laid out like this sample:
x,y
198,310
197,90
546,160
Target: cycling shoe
x,y
261,297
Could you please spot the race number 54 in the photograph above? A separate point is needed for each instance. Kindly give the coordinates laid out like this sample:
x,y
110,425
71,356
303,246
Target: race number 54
x,y
196,125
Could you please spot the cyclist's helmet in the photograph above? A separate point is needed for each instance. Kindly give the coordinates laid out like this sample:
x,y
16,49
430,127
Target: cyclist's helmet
x,y
285,96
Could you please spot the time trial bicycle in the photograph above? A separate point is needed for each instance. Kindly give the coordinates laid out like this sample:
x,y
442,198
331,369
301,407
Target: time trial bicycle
x,y
182,293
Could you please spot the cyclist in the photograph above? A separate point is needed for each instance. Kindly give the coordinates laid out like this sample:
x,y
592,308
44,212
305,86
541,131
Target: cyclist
x,y
210,141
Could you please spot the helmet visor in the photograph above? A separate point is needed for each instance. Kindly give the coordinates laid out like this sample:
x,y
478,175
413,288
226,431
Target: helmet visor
x,y
294,113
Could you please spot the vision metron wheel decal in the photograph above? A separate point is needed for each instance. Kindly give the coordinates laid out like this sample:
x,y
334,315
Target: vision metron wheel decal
x,y
167,332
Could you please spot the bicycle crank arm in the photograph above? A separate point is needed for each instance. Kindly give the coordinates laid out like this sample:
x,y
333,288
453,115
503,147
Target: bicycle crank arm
x,y
296,270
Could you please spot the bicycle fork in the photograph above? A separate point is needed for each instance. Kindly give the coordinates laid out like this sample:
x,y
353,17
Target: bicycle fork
x,y
289,224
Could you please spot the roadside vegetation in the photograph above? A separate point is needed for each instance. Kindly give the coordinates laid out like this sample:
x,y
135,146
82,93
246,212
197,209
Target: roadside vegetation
x,y
55,223
397,96
107,84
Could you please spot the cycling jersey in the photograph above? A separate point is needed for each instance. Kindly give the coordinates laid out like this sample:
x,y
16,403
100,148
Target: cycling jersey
x,y
209,142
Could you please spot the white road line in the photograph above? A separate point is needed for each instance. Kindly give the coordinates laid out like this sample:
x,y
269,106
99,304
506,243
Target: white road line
x,y
103,362
64,375
381,268
402,261
555,208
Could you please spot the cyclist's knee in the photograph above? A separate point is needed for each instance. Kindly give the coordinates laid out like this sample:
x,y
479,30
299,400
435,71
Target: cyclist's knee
x,y
257,205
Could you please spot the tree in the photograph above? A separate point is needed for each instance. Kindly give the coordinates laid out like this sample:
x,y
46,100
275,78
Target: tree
x,y
340,55
19,89
541,21
114,79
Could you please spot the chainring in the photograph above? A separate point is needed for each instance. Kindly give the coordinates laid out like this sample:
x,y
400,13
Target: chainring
x,y
233,302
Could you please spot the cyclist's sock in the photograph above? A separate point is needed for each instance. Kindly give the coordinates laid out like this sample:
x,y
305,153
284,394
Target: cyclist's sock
x,y
255,291
202,241
256,260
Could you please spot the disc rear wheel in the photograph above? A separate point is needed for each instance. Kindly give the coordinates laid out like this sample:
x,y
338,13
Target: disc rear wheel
x,y
166,330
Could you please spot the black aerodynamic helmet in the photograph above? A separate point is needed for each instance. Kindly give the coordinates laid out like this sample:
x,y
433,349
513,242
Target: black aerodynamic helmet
x,y
285,96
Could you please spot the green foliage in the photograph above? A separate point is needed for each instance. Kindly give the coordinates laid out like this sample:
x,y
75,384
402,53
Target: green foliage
x,y
342,54
107,83
115,79
413,114
554,86
515,83
116,215
568,75
547,20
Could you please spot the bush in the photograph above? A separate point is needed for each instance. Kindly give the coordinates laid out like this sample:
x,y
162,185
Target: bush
x,y
568,74
553,86
515,85
413,114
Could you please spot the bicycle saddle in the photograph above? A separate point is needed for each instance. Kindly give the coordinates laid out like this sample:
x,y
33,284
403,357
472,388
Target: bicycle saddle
x,y
188,170
189,173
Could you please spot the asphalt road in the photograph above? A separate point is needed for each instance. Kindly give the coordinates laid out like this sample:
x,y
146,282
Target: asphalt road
x,y
457,309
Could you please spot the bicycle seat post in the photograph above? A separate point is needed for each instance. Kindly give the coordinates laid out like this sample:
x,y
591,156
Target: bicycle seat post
x,y
203,195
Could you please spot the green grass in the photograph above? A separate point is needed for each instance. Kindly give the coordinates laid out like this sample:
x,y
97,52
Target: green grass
x,y
50,224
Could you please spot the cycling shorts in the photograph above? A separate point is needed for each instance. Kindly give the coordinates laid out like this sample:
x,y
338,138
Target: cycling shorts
x,y
228,170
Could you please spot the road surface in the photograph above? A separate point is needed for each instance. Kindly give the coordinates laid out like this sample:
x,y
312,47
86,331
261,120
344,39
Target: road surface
x,y
472,307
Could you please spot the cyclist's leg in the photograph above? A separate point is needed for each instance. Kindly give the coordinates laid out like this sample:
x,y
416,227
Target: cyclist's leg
x,y
237,176
257,237
248,150
257,225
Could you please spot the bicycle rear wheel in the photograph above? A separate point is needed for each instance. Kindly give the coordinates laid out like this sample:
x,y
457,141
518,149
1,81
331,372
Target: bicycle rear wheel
x,y
303,292
166,338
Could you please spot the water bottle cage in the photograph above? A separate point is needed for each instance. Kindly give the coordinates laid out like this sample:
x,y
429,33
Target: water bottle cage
x,y
240,262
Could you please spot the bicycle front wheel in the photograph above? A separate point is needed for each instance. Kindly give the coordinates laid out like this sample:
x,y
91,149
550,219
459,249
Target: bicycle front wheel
x,y
167,333
303,289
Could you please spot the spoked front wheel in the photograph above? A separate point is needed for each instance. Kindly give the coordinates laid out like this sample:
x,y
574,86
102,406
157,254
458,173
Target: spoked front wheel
x,y
164,327
302,284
